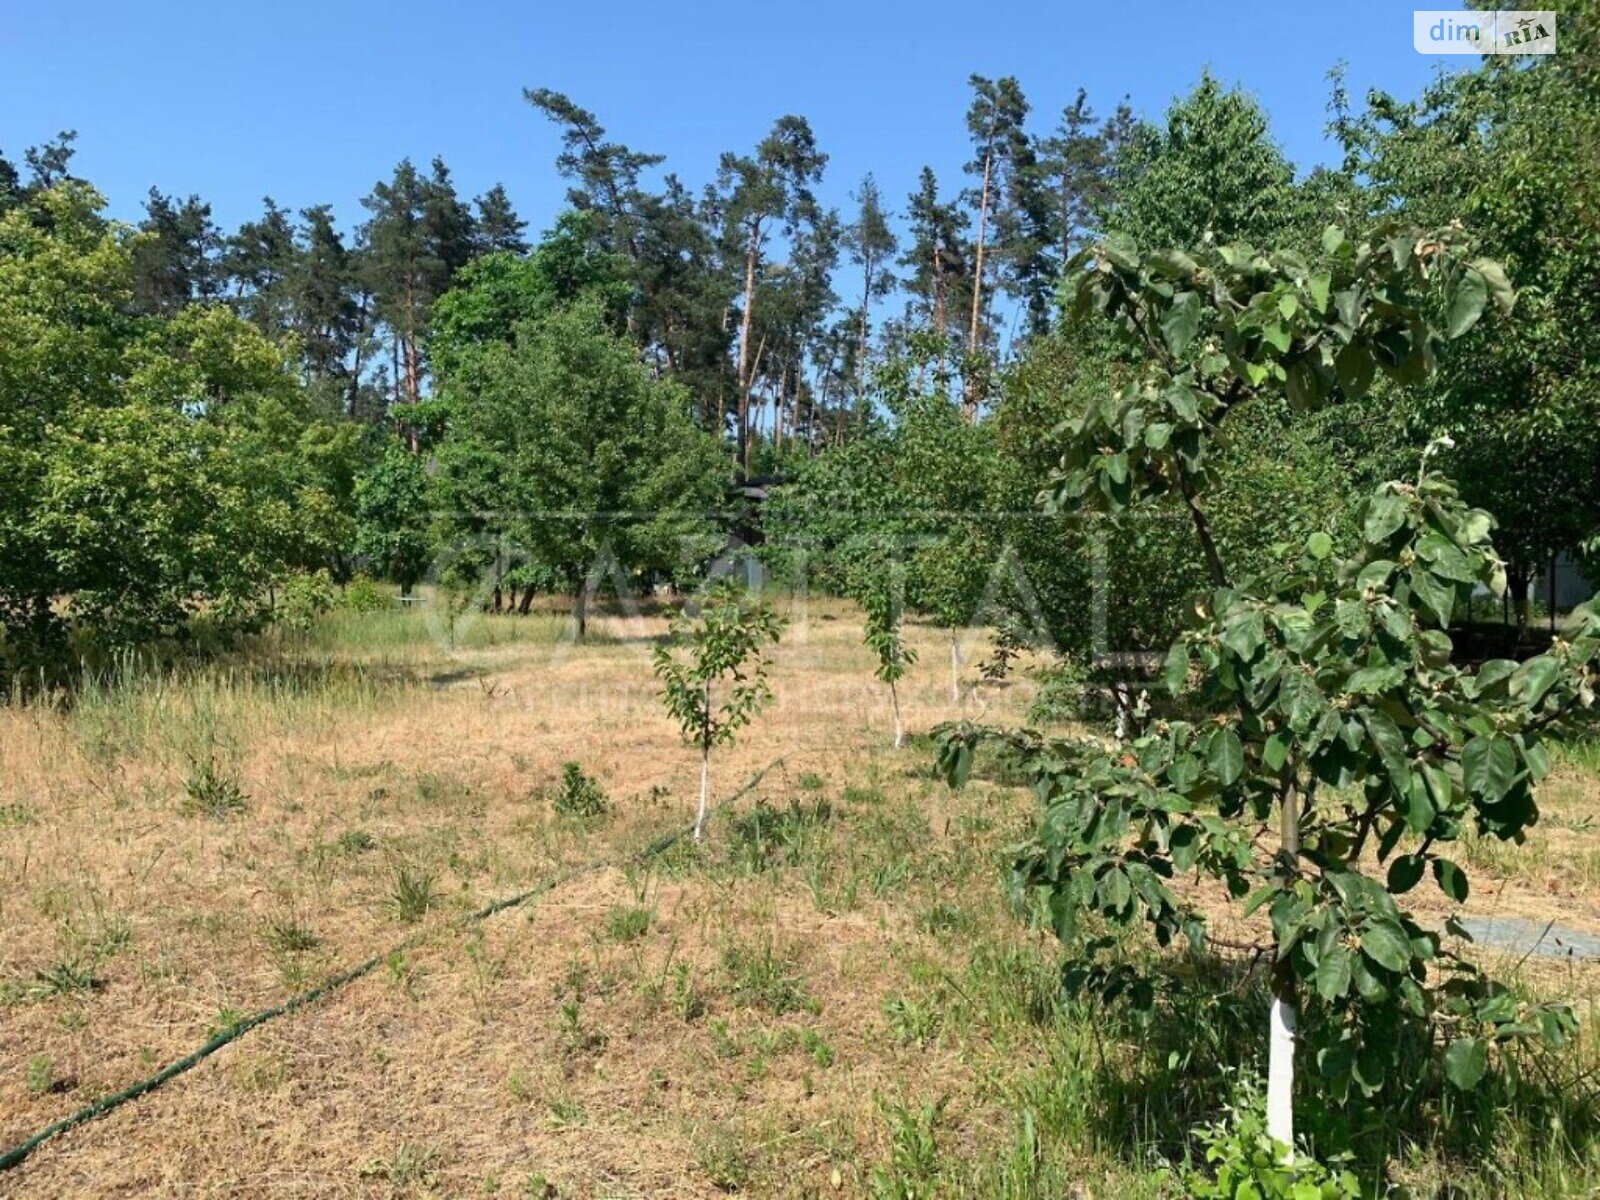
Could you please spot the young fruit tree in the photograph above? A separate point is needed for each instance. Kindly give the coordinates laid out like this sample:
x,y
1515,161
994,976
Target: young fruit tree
x,y
883,638
713,673
1330,749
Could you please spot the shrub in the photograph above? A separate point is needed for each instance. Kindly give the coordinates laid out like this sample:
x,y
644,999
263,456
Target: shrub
x,y
305,596
1246,1164
579,795
1063,691
365,594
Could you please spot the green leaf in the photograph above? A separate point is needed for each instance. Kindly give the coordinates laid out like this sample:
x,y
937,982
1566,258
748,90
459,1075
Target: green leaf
x,y
1405,873
1489,766
1318,286
1451,879
1225,757
1466,1062
1320,545
1386,513
1244,634
1499,286
1177,668
1181,322
1437,596
1387,946
1275,752
1467,299
1333,974
1531,680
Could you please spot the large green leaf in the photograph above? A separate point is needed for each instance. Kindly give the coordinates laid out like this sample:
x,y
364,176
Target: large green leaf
x,y
1489,766
1225,756
1451,879
1181,322
1333,974
1466,1061
1385,514
1467,298
1386,945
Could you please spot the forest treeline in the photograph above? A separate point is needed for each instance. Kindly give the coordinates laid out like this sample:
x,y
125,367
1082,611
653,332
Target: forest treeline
x,y
192,419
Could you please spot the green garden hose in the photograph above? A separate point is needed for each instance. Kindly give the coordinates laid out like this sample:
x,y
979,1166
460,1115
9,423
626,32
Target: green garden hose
x,y
238,1029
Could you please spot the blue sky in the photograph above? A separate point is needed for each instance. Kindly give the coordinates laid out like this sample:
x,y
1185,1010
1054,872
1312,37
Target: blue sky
x,y
312,102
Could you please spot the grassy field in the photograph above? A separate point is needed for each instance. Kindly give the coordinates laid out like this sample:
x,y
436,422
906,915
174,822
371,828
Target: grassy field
x,y
829,997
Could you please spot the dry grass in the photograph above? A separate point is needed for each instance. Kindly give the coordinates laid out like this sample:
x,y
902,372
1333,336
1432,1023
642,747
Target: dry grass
x,y
826,995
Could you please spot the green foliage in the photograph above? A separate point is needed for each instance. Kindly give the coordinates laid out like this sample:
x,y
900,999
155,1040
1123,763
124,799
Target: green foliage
x,y
1328,700
1506,151
1210,168
212,790
156,467
412,893
363,594
393,515
713,670
495,294
304,597
1063,692
578,794
565,453
1244,1163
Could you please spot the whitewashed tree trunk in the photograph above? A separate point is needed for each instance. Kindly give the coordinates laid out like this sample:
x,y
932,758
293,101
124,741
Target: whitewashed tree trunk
x,y
899,727
1282,1021
705,791
1280,1072
955,665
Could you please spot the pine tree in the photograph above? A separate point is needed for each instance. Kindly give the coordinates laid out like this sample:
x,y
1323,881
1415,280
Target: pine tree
x,y
419,235
1079,160
1001,149
322,289
769,188
256,263
937,257
499,229
176,261
871,244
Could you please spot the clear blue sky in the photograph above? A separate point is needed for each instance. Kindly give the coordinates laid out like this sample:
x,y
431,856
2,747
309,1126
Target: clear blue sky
x,y
312,102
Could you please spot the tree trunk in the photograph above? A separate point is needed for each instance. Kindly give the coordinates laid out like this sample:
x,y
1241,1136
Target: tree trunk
x,y
1282,1021
752,250
955,666
899,726
970,390
1552,593
861,335
1518,582
705,791
527,601
580,608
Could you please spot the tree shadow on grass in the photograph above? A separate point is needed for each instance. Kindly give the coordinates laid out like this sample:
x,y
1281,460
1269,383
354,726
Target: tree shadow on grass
x,y
1175,1071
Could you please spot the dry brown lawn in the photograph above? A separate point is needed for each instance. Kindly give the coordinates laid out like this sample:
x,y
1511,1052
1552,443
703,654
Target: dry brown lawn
x,y
779,1012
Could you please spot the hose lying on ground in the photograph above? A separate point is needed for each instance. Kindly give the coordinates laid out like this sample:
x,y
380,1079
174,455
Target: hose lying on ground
x,y
238,1029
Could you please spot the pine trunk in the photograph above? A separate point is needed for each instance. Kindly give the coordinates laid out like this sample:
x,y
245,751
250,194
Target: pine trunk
x,y
970,389
746,318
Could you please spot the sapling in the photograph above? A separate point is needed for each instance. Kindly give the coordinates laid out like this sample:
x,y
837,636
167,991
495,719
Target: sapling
x,y
713,673
894,656
1333,746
